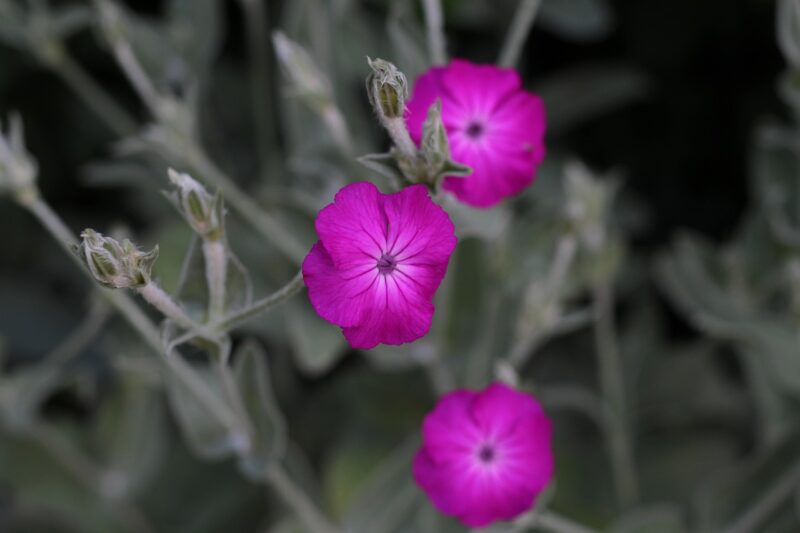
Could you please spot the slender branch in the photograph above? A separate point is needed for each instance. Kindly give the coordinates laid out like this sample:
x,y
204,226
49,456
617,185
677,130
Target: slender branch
x,y
299,502
231,391
158,298
434,22
521,26
284,293
617,431
752,519
398,131
65,238
216,258
89,328
93,95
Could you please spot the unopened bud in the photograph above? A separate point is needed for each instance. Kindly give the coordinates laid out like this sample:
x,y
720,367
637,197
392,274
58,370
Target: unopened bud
x,y
434,150
387,89
304,75
17,167
203,212
113,264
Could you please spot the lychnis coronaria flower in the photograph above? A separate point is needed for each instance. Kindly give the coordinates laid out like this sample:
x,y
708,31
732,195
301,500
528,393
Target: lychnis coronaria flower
x,y
485,455
494,126
378,263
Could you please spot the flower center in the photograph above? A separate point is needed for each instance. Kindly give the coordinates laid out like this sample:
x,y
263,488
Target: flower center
x,y
486,453
474,130
386,264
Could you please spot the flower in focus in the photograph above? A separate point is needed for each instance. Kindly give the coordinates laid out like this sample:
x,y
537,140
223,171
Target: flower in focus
x,y
494,126
485,455
378,263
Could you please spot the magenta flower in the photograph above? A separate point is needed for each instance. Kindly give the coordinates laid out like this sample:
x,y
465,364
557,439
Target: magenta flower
x,y
378,263
493,125
485,455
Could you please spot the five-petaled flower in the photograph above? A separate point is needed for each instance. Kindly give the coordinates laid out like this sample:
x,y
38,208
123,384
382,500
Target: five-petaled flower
x,y
485,455
378,262
494,126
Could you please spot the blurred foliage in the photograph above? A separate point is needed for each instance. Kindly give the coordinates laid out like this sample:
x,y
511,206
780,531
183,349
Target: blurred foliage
x,y
668,98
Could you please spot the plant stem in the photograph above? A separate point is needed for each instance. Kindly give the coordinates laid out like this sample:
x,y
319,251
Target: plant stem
x,y
753,518
216,258
255,15
231,391
196,157
398,131
158,298
434,22
521,25
32,201
612,385
298,501
294,286
93,95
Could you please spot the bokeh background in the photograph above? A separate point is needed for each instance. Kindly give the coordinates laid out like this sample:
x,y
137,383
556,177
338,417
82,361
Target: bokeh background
x,y
677,101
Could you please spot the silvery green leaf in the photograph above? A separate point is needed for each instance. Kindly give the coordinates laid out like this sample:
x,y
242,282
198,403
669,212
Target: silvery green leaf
x,y
722,498
195,30
384,164
69,20
581,93
579,20
407,39
487,224
23,393
316,344
205,434
132,429
788,30
387,497
254,384
651,518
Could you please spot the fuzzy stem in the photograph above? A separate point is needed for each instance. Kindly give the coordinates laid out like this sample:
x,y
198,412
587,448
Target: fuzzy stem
x,y
284,293
618,436
136,74
398,131
158,298
234,398
521,25
299,502
216,258
434,22
32,201
93,95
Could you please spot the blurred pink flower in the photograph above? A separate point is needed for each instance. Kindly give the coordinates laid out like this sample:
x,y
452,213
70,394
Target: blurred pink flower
x,y
485,455
494,126
378,263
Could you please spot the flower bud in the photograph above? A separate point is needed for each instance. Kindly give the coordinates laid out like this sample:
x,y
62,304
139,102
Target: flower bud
x,y
588,204
203,212
113,264
304,75
17,167
387,89
434,149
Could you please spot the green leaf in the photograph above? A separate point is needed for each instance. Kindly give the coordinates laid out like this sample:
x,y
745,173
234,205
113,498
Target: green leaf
x,y
204,433
316,344
131,433
254,384
579,20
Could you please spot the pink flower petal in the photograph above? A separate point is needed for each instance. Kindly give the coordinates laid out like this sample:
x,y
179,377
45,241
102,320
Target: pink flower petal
x,y
353,227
